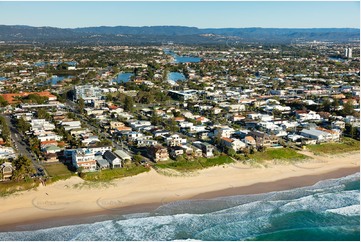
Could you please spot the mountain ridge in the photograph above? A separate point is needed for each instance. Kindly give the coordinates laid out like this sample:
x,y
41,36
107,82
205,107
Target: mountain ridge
x,y
177,34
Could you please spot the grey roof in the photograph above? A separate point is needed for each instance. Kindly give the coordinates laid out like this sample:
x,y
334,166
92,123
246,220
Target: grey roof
x,y
313,132
102,162
122,154
109,156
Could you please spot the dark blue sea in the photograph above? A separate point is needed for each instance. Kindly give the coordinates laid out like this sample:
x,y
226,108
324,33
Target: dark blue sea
x,y
328,210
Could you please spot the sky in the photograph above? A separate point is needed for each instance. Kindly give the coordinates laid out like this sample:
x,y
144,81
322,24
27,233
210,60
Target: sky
x,y
202,14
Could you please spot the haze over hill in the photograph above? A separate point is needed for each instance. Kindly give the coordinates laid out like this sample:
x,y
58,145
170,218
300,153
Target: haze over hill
x,y
176,34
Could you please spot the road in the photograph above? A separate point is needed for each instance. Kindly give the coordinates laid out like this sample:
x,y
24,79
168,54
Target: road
x,y
19,144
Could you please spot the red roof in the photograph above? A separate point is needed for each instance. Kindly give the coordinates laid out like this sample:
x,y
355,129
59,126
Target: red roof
x,y
112,107
9,97
48,142
227,139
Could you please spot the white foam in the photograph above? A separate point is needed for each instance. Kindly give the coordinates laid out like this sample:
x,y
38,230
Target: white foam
x,y
353,210
323,202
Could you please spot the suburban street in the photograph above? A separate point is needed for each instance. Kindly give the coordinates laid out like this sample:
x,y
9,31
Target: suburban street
x,y
20,146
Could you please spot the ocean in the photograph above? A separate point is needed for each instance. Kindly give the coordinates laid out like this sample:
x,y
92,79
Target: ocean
x,y
328,210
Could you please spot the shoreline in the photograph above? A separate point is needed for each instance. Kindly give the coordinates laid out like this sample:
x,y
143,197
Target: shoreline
x,y
35,210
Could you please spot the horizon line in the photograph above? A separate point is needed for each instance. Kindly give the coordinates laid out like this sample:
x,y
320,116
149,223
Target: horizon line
x,y
149,26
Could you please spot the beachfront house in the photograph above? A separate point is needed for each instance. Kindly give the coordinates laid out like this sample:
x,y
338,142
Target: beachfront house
x,y
315,134
207,149
84,159
114,160
6,171
159,153
124,156
235,144
102,163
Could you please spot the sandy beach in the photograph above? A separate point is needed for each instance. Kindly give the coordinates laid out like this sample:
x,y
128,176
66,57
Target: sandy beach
x,y
76,199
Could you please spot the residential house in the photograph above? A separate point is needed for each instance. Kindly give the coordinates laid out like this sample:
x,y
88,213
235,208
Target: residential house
x,y
159,153
264,139
237,118
224,132
7,153
196,151
48,137
85,159
146,142
70,125
102,163
41,125
176,151
207,149
175,140
6,171
114,160
250,141
338,124
188,150
124,156
235,144
116,125
132,136
316,134
305,115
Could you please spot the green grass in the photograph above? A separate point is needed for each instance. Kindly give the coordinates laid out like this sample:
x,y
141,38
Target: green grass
x,y
346,145
57,171
196,164
7,188
108,175
285,154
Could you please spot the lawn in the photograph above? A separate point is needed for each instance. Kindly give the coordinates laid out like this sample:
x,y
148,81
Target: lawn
x,y
346,145
196,164
108,175
58,171
285,154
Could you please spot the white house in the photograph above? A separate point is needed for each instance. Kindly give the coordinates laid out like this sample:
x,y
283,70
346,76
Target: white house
x,y
235,144
311,115
224,132
85,159
49,137
175,140
318,135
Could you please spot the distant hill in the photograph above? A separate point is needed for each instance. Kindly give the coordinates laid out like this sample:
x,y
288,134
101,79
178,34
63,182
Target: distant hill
x,y
176,34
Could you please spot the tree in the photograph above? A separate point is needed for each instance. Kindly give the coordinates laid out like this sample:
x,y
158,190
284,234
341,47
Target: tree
x,y
128,104
43,114
23,168
5,130
347,108
155,119
326,105
246,151
3,102
81,105
172,125
137,158
22,125
231,152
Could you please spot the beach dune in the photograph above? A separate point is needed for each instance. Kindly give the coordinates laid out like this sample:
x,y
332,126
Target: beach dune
x,y
75,198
